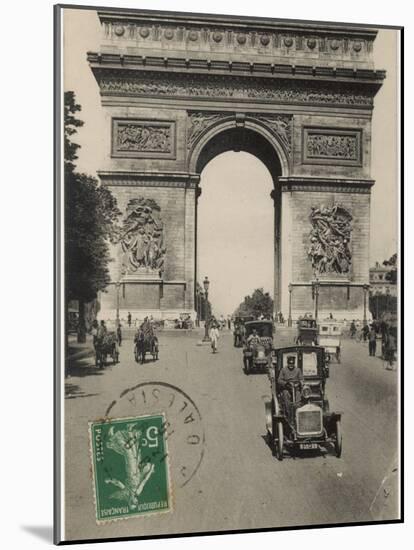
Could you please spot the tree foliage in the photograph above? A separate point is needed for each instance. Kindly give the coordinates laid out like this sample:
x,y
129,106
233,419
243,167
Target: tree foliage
x,y
91,216
259,303
391,276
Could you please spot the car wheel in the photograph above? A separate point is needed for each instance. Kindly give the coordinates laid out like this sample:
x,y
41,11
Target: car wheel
x,y
338,439
246,366
279,443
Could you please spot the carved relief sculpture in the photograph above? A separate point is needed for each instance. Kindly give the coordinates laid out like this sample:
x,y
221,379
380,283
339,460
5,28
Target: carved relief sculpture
x,y
330,236
199,122
332,145
142,238
143,138
234,88
281,125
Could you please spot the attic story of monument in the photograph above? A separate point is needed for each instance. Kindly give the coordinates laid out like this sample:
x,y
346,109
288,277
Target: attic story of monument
x,y
179,89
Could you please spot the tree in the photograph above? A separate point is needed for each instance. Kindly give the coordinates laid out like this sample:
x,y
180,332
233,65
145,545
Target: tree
x,y
259,303
391,276
91,215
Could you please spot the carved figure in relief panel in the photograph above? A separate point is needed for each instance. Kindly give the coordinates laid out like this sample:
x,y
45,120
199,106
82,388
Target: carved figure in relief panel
x,y
330,237
142,238
139,137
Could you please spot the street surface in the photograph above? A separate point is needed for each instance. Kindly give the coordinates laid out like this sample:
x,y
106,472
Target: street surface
x,y
238,484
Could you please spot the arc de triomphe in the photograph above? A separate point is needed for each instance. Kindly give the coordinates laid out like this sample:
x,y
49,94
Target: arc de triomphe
x,y
179,89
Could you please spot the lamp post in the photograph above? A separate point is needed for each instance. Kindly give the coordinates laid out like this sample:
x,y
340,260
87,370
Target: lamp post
x,y
118,285
206,285
290,305
316,298
365,287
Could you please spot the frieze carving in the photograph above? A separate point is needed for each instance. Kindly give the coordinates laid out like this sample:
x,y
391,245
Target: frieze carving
x,y
142,238
281,125
140,138
243,88
199,122
330,236
332,145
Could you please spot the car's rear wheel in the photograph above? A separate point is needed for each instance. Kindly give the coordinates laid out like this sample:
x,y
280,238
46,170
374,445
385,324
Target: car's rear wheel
x,y
338,439
279,442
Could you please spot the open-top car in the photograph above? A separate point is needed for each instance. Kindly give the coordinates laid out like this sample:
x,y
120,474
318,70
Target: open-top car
x,y
298,415
307,330
329,338
257,345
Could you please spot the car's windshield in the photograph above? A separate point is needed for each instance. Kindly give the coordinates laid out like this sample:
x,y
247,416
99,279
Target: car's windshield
x,y
307,360
263,330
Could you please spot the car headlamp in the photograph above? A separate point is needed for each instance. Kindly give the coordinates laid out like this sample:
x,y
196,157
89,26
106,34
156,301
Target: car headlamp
x,y
306,392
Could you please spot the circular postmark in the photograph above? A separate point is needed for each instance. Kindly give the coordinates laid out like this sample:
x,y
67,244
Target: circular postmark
x,y
183,428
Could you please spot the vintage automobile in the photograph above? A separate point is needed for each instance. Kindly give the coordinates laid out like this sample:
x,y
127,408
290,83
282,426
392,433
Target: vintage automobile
x,y
329,338
298,415
307,330
257,351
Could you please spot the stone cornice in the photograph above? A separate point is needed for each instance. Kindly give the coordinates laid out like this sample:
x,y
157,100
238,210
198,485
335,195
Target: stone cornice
x,y
176,180
115,61
339,185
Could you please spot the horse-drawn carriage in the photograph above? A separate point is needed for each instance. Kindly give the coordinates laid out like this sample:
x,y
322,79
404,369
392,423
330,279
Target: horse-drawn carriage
x,y
145,342
107,345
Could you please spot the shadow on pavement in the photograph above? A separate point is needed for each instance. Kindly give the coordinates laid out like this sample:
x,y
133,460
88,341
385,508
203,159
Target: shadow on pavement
x,y
72,391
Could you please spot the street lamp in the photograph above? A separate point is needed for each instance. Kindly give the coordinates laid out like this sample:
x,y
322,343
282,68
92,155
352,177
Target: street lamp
x,y
290,305
387,292
316,298
365,287
206,285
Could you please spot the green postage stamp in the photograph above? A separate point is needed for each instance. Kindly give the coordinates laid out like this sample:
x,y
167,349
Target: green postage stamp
x,y
130,467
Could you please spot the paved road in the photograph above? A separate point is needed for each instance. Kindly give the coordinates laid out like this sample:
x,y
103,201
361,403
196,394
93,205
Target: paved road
x,y
239,485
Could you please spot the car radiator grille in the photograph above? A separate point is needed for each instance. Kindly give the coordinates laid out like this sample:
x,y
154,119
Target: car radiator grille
x,y
309,422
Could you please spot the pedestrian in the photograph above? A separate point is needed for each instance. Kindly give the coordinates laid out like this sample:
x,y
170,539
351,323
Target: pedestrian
x,y
372,341
119,334
390,350
365,332
352,329
129,319
214,336
229,322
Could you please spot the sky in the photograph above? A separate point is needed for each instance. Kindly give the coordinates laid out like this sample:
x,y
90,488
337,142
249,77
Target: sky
x,y
236,250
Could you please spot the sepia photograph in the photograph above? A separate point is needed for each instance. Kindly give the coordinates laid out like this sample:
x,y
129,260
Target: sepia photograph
x,y
228,273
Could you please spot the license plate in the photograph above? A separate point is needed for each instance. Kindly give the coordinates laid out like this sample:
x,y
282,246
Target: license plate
x,y
306,446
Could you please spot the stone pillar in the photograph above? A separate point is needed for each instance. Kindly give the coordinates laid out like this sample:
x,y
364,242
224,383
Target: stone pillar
x,y
167,292
340,290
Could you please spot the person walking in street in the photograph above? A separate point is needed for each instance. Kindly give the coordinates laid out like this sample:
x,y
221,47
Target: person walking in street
x,y
214,337
390,350
365,332
372,341
352,329
129,319
119,334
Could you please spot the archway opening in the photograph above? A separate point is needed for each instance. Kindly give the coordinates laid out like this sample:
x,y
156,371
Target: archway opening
x,y
235,227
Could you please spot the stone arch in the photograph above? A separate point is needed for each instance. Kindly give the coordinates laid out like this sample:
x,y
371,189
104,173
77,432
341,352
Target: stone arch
x,y
236,133
245,133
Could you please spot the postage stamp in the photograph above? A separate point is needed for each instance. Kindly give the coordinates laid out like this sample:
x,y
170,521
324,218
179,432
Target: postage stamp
x,y
130,467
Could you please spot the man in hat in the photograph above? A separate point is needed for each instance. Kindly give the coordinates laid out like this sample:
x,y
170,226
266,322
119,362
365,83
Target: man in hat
x,y
289,376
